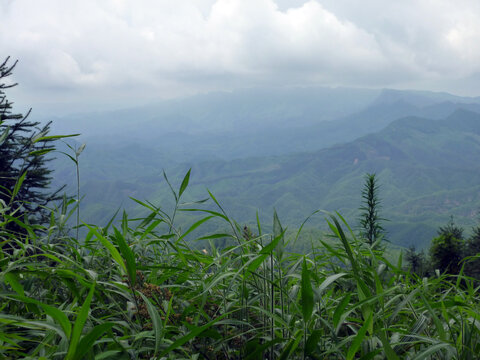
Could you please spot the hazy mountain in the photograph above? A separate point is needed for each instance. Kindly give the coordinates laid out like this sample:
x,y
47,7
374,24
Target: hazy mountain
x,y
256,122
428,170
237,111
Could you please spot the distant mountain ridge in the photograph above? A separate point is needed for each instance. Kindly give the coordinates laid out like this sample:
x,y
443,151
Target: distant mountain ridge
x,y
259,122
425,152
421,164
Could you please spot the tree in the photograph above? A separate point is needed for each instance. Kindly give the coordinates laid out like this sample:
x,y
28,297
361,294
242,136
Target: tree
x,y
472,248
370,221
448,248
24,145
416,260
451,228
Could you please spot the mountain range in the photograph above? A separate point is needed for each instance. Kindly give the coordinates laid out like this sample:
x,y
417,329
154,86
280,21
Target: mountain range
x,y
424,148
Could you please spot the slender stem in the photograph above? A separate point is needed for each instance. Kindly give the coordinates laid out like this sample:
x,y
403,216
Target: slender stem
x,y
272,331
78,194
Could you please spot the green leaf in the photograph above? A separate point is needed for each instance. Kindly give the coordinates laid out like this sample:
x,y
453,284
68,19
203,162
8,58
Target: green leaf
x,y
88,340
431,350
156,321
258,350
112,250
4,135
278,231
184,184
330,280
253,266
312,341
259,226
18,185
438,324
292,345
170,186
127,254
270,247
357,341
198,330
41,152
193,227
12,279
52,137
387,347
337,315
79,324
307,293
55,313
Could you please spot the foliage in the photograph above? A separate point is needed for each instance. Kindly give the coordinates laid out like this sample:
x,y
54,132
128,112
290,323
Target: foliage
x,y
446,253
24,146
140,291
370,221
451,229
472,265
417,261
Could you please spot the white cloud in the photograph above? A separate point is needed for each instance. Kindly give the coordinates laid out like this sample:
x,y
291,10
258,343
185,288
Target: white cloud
x,y
168,48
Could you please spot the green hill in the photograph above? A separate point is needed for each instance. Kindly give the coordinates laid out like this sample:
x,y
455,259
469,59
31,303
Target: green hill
x,y
428,171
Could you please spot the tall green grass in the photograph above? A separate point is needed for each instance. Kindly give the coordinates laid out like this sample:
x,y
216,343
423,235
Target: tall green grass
x,y
141,289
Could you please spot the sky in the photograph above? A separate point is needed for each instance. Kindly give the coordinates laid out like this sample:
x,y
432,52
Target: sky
x,y
81,55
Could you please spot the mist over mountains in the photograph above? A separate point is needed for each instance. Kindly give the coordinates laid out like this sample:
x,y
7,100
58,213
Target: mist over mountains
x,y
295,150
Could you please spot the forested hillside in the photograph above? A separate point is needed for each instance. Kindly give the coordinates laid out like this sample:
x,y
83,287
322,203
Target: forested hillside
x,y
427,167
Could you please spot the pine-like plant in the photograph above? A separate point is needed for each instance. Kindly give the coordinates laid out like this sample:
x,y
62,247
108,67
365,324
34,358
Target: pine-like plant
x,y
24,146
370,221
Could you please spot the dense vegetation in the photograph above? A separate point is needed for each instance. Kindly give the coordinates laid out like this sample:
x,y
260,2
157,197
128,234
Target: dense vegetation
x,y
140,290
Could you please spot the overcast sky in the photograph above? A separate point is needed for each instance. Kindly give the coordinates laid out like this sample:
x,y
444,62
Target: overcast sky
x,y
82,54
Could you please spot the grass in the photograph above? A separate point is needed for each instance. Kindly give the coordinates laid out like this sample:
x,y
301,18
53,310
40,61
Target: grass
x,y
140,290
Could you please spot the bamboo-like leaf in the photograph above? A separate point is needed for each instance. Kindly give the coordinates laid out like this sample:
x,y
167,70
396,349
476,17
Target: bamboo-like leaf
x,y
256,262
357,341
156,322
52,137
259,349
278,231
312,342
438,324
127,254
111,249
87,342
330,280
56,314
292,345
170,186
18,185
307,293
41,152
184,184
337,315
273,244
193,227
431,350
12,279
390,354
79,324
259,226
196,331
